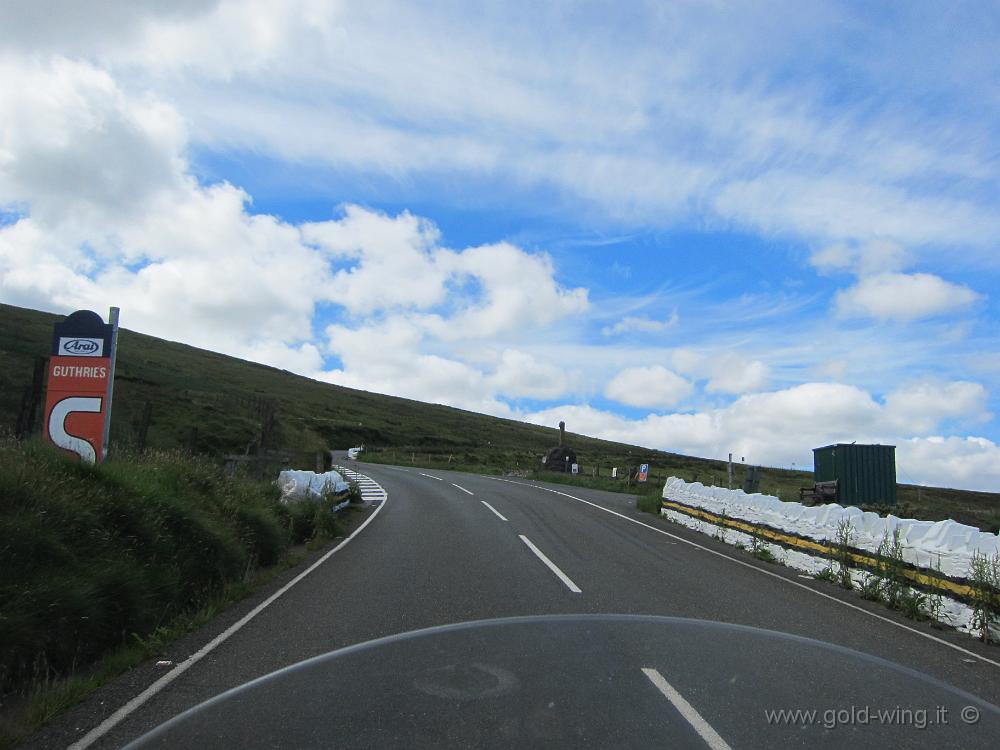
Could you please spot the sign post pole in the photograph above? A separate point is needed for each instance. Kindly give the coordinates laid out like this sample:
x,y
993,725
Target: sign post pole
x,y
113,314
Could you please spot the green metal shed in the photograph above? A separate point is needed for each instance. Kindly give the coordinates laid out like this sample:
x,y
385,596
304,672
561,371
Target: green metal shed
x,y
864,473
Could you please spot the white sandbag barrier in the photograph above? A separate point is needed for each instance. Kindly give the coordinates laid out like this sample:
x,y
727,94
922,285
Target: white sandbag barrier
x,y
937,555
297,486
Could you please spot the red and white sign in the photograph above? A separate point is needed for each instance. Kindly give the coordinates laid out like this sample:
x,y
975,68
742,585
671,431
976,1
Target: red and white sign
x,y
78,395
76,404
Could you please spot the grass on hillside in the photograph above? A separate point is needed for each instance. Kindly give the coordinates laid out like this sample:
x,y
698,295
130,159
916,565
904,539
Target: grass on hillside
x,y
94,558
213,404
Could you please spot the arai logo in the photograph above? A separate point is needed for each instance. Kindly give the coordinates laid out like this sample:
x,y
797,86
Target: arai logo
x,y
81,347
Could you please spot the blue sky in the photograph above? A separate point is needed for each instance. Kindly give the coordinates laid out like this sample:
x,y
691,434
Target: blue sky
x,y
699,226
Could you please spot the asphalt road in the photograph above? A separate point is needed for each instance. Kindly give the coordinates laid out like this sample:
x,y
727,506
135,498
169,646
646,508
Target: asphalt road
x,y
450,547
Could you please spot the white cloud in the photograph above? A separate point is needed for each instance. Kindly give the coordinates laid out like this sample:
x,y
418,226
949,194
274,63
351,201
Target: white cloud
x,y
882,291
966,462
832,369
919,407
639,324
518,290
725,372
665,127
394,260
903,297
77,150
402,355
653,387
733,374
397,263
842,207
877,256
110,215
389,357
414,302
519,375
75,28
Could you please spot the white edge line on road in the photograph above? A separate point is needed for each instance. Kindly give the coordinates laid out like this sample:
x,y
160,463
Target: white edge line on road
x,y
695,719
493,509
551,565
122,713
790,582
430,476
463,489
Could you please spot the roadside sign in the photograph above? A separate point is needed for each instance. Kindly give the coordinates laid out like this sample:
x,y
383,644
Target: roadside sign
x,y
78,395
575,468
643,472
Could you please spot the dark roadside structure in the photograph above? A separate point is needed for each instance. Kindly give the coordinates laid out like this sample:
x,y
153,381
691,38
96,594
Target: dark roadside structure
x,y
562,457
852,474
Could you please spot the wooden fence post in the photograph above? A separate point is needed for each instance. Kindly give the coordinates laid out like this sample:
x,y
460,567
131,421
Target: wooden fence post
x,y
31,400
147,417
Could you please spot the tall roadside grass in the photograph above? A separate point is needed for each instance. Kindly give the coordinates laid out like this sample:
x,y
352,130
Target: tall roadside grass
x,y
92,558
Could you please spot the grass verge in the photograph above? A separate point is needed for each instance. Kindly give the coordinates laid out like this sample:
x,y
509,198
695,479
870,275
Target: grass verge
x,y
102,566
650,503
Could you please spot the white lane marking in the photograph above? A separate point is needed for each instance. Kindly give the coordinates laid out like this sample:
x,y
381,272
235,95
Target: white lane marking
x,y
493,509
551,566
430,476
463,489
123,713
695,719
768,573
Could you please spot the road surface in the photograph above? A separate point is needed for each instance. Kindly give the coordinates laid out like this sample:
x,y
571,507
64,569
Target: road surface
x,y
449,547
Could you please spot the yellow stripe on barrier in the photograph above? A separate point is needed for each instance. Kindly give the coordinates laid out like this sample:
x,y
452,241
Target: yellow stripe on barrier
x,y
810,545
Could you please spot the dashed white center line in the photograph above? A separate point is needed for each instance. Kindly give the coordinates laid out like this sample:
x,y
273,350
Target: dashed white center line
x,y
761,571
462,488
430,476
695,719
551,566
494,510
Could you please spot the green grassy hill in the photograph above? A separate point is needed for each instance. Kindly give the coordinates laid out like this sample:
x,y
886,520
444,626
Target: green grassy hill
x,y
213,404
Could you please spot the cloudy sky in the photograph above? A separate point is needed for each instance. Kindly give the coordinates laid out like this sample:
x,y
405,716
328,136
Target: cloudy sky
x,y
705,227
